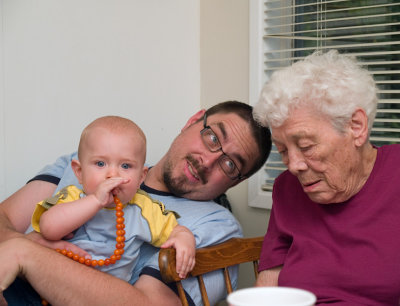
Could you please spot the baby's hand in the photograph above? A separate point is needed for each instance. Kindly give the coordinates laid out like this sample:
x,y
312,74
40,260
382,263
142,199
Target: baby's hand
x,y
183,241
104,192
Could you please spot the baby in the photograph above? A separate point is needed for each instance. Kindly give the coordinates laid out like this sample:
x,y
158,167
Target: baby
x,y
111,156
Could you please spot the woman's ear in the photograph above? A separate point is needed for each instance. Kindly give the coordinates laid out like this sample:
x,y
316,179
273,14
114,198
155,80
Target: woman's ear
x,y
359,127
76,167
196,117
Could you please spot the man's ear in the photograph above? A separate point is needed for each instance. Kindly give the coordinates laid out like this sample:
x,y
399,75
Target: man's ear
x,y
196,117
359,127
76,167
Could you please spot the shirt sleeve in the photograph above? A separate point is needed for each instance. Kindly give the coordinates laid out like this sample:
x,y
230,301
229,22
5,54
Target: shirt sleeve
x,y
161,221
67,194
276,242
59,173
274,248
54,172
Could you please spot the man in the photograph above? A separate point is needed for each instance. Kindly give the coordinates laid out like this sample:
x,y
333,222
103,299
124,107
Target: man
x,y
215,150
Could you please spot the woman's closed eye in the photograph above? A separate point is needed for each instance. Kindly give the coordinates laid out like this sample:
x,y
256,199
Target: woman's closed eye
x,y
307,149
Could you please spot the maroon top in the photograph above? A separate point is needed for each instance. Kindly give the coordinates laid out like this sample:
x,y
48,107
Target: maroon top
x,y
346,253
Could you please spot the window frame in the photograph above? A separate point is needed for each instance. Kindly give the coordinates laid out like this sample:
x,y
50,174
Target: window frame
x,y
257,197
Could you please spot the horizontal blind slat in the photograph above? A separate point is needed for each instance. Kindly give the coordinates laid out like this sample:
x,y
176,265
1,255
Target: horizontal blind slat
x,y
348,28
326,21
293,31
322,38
338,47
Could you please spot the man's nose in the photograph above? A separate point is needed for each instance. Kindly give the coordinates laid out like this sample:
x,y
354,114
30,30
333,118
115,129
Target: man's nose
x,y
211,158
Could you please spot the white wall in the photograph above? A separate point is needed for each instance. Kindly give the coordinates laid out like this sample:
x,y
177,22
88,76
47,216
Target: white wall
x,y
224,37
2,144
64,63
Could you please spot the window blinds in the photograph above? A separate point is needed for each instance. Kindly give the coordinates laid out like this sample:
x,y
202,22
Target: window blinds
x,y
367,29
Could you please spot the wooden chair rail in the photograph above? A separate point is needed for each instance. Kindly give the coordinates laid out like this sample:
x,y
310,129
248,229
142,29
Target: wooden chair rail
x,y
229,253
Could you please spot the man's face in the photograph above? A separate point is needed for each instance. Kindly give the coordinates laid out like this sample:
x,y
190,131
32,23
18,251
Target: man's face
x,y
192,171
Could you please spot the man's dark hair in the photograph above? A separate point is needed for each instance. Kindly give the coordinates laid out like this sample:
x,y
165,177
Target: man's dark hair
x,y
262,135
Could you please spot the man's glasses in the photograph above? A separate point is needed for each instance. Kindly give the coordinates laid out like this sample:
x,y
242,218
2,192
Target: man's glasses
x,y
211,141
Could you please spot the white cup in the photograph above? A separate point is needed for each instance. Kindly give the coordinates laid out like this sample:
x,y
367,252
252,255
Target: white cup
x,y
271,296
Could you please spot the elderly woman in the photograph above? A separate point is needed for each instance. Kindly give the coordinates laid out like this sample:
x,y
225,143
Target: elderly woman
x,y
335,221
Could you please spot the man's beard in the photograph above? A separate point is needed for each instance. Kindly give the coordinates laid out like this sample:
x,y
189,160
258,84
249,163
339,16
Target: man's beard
x,y
177,185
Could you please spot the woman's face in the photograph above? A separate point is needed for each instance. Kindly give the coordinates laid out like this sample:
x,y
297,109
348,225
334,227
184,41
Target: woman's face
x,y
325,161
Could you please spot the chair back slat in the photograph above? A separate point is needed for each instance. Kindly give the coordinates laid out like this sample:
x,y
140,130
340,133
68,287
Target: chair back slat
x,y
181,293
229,253
228,283
255,265
203,290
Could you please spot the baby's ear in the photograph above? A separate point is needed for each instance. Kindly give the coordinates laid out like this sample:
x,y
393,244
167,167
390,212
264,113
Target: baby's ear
x,y
76,167
144,173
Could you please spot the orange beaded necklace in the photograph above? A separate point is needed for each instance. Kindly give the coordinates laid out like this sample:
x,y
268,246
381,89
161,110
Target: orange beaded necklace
x,y
119,247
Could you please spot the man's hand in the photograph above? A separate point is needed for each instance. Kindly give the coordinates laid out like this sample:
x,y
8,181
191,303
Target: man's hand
x,y
3,302
183,241
59,244
9,256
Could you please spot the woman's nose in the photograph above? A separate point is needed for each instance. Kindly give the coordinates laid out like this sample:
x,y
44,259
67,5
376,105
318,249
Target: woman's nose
x,y
296,162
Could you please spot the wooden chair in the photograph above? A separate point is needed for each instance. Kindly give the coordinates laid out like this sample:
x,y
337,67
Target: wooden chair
x,y
232,252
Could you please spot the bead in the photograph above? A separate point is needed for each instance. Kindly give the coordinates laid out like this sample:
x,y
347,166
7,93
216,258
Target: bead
x,y
119,214
120,238
120,226
119,247
120,232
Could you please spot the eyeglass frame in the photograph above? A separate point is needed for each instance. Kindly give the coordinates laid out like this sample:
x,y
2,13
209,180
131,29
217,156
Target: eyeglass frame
x,y
223,155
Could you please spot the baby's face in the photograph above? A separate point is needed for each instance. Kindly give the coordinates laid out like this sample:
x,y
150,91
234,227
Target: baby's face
x,y
113,155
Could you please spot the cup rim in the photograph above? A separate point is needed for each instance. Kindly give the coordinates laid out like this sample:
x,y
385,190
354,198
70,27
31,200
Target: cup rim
x,y
311,296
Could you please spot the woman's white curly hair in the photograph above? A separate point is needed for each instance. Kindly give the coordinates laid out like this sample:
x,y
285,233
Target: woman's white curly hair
x,y
334,83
